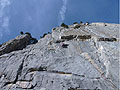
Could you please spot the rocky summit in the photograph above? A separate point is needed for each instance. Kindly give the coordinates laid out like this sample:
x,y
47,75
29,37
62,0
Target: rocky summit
x,y
72,57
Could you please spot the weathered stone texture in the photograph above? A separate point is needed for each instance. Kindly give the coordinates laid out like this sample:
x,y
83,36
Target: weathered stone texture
x,y
86,64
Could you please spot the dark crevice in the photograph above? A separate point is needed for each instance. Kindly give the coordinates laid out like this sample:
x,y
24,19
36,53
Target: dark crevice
x,y
66,73
24,80
107,39
0,45
52,71
82,89
32,87
78,26
84,37
19,71
11,55
6,83
65,45
59,72
37,69
71,37
59,41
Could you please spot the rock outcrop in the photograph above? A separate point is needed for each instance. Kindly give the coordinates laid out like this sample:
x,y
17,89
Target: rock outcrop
x,y
89,62
18,43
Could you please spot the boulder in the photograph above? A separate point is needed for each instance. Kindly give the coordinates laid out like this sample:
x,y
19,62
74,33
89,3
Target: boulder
x,y
18,43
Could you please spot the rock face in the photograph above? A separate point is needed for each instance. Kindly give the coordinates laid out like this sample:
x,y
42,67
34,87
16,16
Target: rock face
x,y
18,43
87,63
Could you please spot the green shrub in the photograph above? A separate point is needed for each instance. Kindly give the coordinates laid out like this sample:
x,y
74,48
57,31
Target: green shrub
x,y
33,41
44,35
54,28
64,25
28,33
21,33
75,23
41,37
81,22
87,23
49,32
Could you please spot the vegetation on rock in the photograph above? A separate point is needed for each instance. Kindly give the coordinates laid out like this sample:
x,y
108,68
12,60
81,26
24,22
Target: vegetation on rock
x,y
64,25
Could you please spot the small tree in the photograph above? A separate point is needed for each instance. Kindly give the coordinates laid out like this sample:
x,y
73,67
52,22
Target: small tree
x,y
64,25
49,32
54,28
87,23
44,35
21,33
28,33
75,23
41,37
81,22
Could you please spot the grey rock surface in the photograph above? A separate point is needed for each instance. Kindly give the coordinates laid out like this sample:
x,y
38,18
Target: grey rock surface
x,y
18,43
87,63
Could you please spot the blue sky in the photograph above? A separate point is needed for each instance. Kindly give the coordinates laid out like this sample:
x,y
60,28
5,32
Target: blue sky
x,y
40,16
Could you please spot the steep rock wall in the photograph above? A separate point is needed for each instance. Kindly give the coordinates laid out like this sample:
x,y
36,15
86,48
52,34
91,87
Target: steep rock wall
x,y
85,64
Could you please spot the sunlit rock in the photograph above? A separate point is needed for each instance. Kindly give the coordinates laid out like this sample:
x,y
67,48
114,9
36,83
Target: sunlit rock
x,y
90,61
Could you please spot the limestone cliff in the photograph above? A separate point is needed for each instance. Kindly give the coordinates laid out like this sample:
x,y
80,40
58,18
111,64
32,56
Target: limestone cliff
x,y
79,57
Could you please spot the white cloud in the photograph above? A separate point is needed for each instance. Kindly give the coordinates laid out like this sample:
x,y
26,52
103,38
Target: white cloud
x,y
4,19
61,16
1,35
